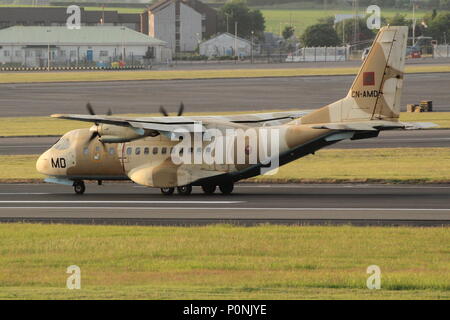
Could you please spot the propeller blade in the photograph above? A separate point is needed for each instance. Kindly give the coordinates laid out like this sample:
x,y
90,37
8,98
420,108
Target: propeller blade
x,y
163,111
93,136
181,109
90,109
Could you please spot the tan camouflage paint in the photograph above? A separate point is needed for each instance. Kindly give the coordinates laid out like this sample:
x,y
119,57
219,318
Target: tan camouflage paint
x,y
374,95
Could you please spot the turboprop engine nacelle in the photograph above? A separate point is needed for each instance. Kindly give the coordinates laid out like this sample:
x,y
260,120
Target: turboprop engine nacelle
x,y
109,133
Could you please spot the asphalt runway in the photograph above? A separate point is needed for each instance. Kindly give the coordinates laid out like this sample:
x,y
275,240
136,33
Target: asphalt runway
x,y
212,95
387,139
417,205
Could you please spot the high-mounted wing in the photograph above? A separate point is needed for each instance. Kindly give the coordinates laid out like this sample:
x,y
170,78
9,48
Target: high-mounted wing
x,y
171,124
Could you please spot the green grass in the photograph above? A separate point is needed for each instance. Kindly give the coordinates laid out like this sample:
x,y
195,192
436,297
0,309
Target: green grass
x,y
390,165
69,76
302,18
223,262
387,165
442,119
45,126
19,168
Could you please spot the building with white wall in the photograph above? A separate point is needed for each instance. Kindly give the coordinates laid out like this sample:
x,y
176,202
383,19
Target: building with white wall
x,y
177,23
33,46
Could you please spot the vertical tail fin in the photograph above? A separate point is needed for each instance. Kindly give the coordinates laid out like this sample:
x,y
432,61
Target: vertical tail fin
x,y
376,91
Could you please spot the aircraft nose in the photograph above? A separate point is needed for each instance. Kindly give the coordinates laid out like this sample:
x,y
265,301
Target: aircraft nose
x,y
43,164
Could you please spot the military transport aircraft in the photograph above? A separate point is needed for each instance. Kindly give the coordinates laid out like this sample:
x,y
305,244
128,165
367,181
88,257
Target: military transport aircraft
x,y
148,150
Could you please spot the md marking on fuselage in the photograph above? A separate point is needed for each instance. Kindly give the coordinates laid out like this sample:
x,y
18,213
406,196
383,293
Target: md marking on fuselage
x,y
59,163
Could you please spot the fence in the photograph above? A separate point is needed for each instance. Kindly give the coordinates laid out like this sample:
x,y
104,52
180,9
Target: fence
x,y
319,54
441,51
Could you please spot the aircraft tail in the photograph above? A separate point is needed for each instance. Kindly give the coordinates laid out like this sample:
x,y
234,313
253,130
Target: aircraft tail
x,y
376,91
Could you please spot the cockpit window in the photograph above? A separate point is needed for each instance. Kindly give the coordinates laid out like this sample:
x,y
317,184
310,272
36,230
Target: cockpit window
x,y
62,144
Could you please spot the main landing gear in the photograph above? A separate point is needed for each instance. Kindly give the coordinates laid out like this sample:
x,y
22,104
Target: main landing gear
x,y
167,191
225,188
184,190
79,187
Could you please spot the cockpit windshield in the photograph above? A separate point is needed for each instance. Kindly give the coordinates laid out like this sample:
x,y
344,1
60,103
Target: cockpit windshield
x,y
62,144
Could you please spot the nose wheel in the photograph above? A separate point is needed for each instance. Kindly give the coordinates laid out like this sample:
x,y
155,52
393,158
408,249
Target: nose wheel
x,y
79,187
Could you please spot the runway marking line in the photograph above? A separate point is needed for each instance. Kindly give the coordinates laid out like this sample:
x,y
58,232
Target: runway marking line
x,y
233,208
123,201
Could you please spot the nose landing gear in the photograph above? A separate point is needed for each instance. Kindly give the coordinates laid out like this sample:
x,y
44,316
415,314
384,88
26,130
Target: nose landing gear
x,y
79,187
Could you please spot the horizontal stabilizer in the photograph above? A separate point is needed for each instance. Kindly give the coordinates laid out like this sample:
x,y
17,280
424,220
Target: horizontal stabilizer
x,y
419,125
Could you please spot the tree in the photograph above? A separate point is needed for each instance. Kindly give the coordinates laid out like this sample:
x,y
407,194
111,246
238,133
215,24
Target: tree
x,y
248,19
288,32
345,30
320,35
439,27
398,20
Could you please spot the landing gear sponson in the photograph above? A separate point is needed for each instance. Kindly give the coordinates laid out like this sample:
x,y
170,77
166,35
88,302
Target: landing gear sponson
x,y
225,188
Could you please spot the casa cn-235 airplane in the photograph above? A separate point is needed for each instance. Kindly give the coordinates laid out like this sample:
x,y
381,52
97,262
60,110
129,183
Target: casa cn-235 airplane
x,y
141,149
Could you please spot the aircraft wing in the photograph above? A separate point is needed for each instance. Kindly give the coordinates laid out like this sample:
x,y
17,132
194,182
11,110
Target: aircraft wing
x,y
170,124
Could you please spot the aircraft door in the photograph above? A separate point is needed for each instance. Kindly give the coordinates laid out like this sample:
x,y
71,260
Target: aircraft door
x,y
220,163
125,153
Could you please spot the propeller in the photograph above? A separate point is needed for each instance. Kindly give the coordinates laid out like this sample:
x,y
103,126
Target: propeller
x,y
180,109
95,134
163,111
90,109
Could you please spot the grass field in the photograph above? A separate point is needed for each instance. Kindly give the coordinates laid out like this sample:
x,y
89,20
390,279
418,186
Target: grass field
x,y
223,262
15,77
291,14
396,165
401,165
45,126
302,18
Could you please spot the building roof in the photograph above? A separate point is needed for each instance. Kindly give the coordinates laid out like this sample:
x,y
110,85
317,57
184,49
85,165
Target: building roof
x,y
160,4
227,35
93,35
194,4
47,15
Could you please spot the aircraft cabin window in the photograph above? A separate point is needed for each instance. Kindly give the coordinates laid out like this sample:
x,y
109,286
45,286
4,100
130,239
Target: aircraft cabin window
x,y
155,150
146,151
138,151
191,150
111,151
129,150
199,150
85,151
163,150
97,149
